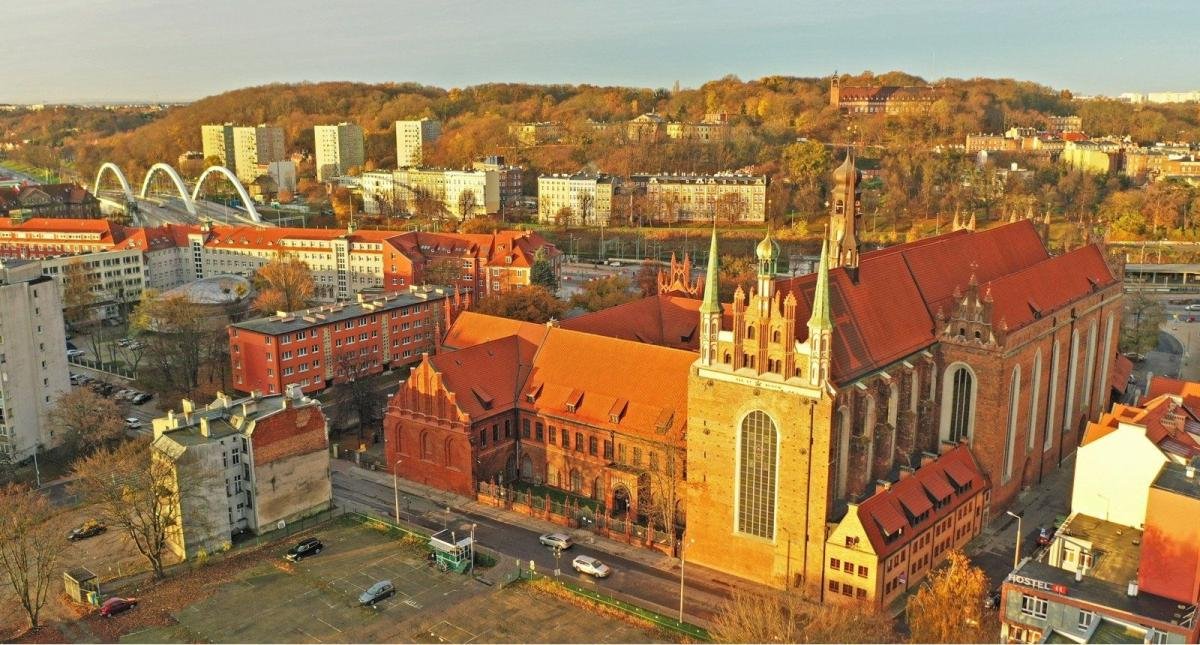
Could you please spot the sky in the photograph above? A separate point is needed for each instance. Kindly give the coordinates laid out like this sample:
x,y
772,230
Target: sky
x,y
174,50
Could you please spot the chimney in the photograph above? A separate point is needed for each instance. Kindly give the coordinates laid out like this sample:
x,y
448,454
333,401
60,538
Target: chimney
x,y
361,298
204,432
928,457
249,408
293,392
882,486
1132,589
906,472
188,406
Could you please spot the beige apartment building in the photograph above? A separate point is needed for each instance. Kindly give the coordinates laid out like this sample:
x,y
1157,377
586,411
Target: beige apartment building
x,y
391,192
338,149
242,149
584,199
411,138
727,197
33,359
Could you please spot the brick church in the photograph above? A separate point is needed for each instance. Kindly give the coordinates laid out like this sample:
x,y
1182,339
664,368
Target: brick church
x,y
781,410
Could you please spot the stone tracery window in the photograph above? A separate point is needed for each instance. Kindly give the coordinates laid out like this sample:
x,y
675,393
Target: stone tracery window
x,y
757,450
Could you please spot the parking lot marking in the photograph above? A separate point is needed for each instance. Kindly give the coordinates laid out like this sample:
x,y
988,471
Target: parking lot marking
x,y
310,635
323,620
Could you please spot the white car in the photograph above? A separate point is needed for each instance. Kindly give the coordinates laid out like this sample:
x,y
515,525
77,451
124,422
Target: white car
x,y
74,353
560,541
591,566
133,422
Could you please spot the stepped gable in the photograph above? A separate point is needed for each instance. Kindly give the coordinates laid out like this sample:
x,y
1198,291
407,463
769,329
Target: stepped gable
x,y
485,377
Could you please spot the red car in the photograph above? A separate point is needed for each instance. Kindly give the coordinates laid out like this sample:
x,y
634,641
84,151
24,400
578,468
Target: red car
x,y
116,605
1045,536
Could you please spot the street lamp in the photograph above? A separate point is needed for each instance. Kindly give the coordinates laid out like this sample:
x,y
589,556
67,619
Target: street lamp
x,y
473,549
682,561
557,555
1017,553
396,487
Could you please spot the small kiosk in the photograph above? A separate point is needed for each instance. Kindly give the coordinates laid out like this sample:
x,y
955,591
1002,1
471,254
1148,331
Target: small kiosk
x,y
451,552
82,586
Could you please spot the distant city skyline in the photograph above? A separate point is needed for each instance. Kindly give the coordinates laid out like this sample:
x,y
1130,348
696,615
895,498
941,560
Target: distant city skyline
x,y
75,51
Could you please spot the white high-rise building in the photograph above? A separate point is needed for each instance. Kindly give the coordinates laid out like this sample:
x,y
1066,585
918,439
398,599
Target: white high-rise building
x,y
33,359
218,142
338,148
243,148
411,137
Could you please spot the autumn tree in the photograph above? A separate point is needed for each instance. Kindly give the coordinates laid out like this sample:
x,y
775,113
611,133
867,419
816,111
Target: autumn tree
x,y
783,617
564,216
735,271
179,342
467,201
78,292
284,284
542,272
88,420
729,207
31,545
647,277
603,293
948,608
139,491
1144,316
533,304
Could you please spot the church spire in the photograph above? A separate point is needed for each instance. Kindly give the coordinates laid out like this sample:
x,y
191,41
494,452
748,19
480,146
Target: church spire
x,y
820,325
843,221
820,318
710,306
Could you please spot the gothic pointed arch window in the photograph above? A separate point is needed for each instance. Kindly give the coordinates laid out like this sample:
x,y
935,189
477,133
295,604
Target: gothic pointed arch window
x,y
426,446
1014,412
958,403
1108,350
758,449
1090,375
1035,392
775,336
576,481
1052,404
1072,378
842,448
750,332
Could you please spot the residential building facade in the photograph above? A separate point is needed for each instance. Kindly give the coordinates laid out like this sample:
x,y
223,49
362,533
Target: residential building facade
x,y
68,201
582,199
887,100
411,138
728,197
510,179
338,148
319,347
33,359
263,460
457,194
242,149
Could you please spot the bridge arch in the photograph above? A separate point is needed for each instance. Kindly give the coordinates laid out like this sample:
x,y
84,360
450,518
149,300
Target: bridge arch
x,y
237,185
175,178
115,170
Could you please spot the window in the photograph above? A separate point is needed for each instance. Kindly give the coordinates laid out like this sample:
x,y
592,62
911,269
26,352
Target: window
x,y
608,450
860,593
495,433
507,429
593,446
1014,410
1033,606
862,571
579,442
1035,387
566,439
483,438
958,416
835,563
757,446
524,428
834,586
848,567
1085,620
539,431
637,457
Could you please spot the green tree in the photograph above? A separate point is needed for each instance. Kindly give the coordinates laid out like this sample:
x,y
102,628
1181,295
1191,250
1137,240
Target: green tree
x,y
542,272
532,304
603,293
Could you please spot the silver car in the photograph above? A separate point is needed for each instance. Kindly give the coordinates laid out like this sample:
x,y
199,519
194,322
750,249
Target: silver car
x,y
591,566
377,592
559,541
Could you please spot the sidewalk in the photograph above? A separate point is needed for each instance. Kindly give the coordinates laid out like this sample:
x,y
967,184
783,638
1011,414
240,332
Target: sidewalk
x,y
454,502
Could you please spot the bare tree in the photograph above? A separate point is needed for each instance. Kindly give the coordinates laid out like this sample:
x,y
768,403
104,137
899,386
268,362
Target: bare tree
x,y
782,617
666,490
30,546
587,208
443,270
78,292
357,398
89,420
729,207
140,492
467,201
285,284
171,328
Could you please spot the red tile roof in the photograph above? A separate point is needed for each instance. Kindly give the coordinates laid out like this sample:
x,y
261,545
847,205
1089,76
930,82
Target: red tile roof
x,y
892,512
1171,421
484,378
1122,370
668,321
471,328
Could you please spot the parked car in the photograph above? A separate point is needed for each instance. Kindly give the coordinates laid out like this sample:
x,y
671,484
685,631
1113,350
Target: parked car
x,y
377,592
1135,357
1195,307
90,528
125,342
141,397
556,540
124,394
116,605
992,599
133,423
74,353
305,548
1045,535
591,566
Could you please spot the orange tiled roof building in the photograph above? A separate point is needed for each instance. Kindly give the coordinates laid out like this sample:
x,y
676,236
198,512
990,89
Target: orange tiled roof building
x,y
792,401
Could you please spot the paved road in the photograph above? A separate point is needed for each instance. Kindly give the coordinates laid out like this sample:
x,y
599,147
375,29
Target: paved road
x,y
633,579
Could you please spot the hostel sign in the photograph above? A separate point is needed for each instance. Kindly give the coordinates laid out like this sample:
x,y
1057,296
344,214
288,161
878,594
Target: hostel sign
x,y
1037,584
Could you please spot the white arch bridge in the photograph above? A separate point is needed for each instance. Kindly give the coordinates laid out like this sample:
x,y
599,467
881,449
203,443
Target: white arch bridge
x,y
189,199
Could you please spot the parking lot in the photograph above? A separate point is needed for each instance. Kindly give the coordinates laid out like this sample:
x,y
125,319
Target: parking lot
x,y
316,601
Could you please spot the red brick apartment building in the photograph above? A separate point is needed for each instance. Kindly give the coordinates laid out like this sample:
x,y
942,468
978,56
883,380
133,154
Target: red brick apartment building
x,y
322,346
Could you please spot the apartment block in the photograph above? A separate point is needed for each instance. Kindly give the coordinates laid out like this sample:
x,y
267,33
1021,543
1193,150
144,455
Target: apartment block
x,y
410,190
263,460
217,142
33,359
322,346
338,148
242,149
728,197
510,178
580,199
411,138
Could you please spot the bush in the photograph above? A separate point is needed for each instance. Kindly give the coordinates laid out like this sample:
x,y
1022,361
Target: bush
x,y
484,560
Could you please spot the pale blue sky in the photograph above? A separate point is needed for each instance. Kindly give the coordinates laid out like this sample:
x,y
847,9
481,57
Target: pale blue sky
x,y
83,50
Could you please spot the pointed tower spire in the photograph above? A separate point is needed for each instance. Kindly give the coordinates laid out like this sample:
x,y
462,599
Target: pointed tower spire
x,y
710,306
843,220
820,325
820,318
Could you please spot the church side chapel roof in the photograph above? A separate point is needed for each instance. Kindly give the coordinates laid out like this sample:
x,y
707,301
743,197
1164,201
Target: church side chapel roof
x,y
669,321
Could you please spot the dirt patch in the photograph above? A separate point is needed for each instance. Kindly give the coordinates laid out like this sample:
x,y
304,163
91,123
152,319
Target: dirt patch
x,y
44,634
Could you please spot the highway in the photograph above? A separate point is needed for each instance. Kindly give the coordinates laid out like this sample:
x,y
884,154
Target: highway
x,y
160,210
